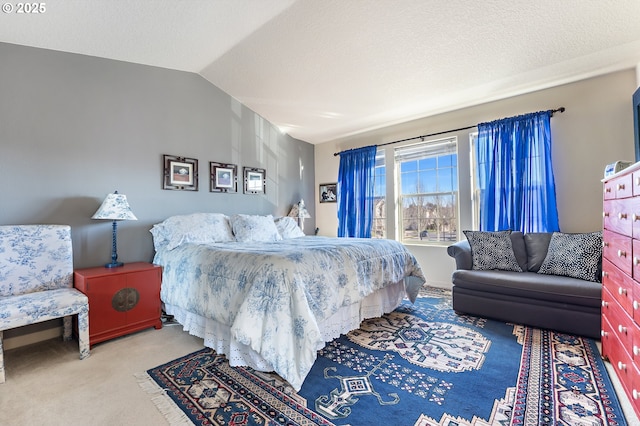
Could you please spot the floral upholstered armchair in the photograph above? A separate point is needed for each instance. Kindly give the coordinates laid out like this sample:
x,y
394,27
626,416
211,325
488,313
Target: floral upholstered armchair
x,y
36,282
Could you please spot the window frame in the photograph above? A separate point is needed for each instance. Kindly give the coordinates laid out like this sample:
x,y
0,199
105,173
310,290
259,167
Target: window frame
x,y
444,239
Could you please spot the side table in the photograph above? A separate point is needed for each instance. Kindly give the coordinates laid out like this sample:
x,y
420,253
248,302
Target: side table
x,y
121,300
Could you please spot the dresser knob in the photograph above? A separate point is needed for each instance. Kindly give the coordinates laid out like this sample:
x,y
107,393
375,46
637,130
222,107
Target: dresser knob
x,y
622,253
605,214
635,261
605,304
605,274
635,217
636,350
635,394
605,244
607,189
620,186
621,366
622,215
622,329
622,291
603,333
635,304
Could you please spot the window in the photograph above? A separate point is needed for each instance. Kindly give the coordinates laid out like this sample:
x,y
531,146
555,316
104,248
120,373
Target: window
x,y
379,226
475,187
427,179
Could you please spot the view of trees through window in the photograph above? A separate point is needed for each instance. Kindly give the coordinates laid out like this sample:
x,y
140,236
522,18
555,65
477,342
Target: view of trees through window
x,y
427,176
379,227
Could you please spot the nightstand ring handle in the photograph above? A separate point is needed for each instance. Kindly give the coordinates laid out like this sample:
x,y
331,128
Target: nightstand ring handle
x,y
125,299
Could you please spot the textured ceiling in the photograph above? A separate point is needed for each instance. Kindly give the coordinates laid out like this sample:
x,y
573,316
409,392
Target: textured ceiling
x,y
325,69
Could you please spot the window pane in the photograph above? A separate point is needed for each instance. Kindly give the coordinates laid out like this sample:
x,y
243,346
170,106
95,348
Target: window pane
x,y
379,225
428,191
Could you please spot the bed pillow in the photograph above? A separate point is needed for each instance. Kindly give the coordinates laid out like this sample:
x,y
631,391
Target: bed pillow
x,y
492,250
250,228
288,228
574,255
197,228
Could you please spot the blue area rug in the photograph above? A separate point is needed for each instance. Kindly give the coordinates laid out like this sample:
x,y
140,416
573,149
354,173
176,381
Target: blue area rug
x,y
419,365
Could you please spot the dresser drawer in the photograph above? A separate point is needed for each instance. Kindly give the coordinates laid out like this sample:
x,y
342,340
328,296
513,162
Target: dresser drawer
x,y
620,187
635,260
613,350
634,350
618,216
634,392
618,250
620,285
636,183
621,322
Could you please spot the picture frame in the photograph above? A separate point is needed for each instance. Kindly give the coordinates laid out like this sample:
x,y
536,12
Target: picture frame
x,y
223,177
180,173
255,180
328,192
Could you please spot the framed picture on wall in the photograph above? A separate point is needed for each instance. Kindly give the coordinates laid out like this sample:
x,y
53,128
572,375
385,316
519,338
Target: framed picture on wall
x,y
254,180
328,192
224,177
180,173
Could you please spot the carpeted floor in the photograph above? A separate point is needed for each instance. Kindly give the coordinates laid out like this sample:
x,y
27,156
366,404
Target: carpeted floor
x,y
420,365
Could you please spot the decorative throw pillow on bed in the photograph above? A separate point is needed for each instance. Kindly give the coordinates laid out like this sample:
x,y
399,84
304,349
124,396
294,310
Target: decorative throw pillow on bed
x,y
574,255
492,250
197,228
250,228
288,228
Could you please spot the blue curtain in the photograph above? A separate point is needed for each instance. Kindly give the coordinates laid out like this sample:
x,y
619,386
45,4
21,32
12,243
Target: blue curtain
x,y
355,192
515,175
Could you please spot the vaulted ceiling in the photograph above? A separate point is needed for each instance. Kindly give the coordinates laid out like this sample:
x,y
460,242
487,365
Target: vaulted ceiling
x,y
325,69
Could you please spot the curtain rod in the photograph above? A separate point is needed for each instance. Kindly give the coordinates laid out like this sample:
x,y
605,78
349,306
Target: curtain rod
x,y
561,110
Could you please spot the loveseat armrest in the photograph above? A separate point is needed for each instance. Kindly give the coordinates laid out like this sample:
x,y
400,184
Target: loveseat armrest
x,y
461,252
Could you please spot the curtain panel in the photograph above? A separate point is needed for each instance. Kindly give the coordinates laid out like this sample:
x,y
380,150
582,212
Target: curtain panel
x,y
355,192
515,174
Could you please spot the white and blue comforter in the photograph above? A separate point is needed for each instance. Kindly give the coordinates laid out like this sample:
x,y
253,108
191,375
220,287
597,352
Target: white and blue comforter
x,y
273,295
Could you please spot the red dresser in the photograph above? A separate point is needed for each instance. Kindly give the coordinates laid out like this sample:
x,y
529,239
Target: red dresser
x,y
621,279
121,300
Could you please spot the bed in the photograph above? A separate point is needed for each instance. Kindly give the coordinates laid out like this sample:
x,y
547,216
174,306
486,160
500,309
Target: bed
x,y
259,291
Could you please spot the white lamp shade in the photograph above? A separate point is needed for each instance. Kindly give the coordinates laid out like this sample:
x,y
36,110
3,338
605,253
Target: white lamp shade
x,y
115,207
299,210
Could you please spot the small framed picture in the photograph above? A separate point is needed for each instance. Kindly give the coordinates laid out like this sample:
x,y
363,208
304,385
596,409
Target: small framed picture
x,y
328,192
180,173
224,177
254,180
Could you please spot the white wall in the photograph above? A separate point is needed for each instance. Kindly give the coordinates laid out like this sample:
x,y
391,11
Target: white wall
x,y
596,129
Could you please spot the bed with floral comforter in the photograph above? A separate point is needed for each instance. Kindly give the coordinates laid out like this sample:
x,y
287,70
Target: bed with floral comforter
x,y
274,296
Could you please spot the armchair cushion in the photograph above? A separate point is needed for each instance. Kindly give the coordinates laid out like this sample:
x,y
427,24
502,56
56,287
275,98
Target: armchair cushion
x,y
537,244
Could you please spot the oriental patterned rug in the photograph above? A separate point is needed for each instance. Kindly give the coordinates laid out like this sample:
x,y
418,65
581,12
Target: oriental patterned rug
x,y
422,364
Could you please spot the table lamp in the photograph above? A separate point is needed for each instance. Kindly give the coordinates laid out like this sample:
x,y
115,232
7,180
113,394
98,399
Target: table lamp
x,y
299,211
114,207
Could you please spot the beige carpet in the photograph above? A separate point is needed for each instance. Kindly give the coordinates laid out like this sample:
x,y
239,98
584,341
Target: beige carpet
x,y
47,383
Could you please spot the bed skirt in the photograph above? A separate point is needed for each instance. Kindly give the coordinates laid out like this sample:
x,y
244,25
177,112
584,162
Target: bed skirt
x,y
218,336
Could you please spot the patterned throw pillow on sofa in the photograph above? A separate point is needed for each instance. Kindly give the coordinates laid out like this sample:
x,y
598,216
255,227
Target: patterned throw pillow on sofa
x,y
574,255
492,250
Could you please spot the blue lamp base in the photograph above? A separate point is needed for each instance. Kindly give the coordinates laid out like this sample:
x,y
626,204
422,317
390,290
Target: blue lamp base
x,y
114,252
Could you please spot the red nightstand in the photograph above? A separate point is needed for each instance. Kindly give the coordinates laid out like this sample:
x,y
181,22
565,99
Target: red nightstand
x,y
121,300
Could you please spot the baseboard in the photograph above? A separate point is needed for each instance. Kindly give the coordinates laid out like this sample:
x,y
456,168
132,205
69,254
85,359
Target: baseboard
x,y
439,284
31,338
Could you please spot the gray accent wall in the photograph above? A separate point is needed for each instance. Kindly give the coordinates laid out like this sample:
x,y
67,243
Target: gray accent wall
x,y
74,128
